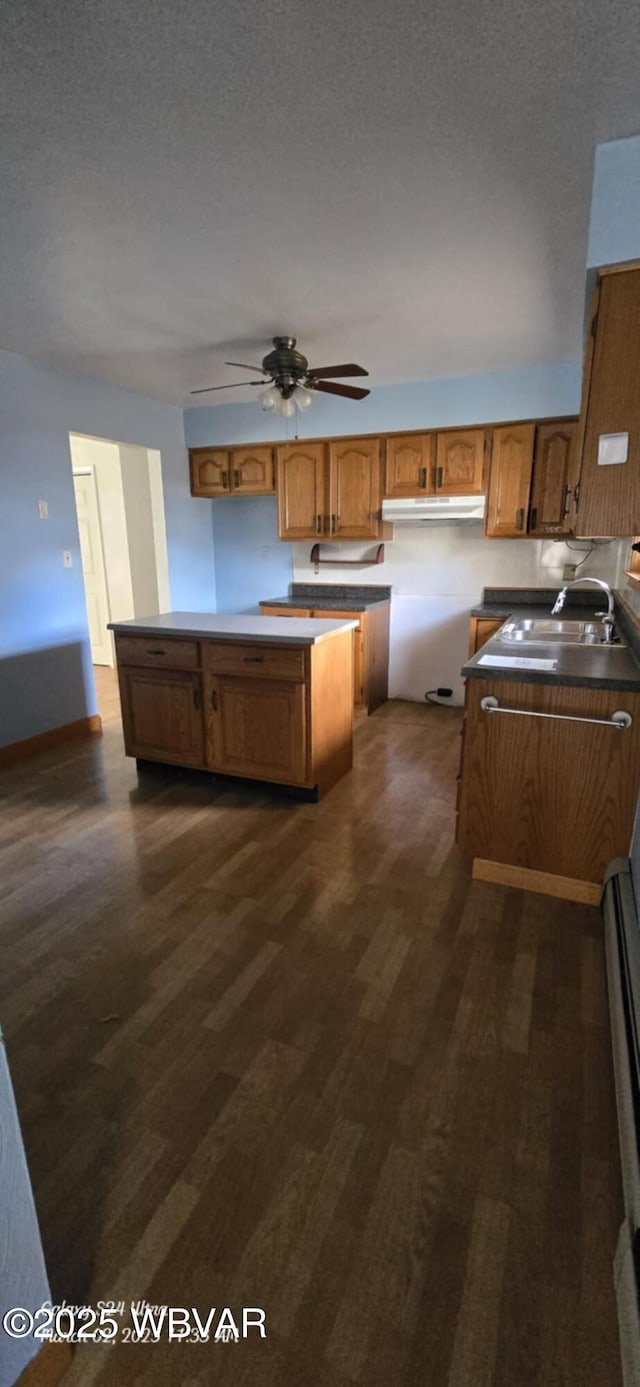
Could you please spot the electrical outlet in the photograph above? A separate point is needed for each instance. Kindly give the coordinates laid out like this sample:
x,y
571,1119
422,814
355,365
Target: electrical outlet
x,y
67,558
569,572
43,510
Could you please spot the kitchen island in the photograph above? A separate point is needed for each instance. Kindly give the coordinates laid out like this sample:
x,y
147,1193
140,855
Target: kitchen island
x,y
266,699
549,775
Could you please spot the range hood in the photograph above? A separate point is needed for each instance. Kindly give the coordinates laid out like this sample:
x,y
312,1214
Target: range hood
x,y
426,509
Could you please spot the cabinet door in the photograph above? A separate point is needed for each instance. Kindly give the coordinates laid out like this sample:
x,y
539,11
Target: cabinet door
x,y
609,503
301,491
409,466
252,471
481,630
509,480
460,463
552,509
355,483
209,471
256,728
162,715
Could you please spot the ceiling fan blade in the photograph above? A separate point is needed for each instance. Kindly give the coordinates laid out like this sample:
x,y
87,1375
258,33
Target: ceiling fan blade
x,y
243,366
233,386
349,368
352,392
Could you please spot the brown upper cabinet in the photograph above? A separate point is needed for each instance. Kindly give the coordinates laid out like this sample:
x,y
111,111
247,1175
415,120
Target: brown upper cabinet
x,y
355,487
209,468
428,464
243,471
510,481
301,490
460,463
410,467
609,501
330,491
532,480
552,507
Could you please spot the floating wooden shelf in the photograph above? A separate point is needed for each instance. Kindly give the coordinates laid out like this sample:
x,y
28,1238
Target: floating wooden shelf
x,y
378,557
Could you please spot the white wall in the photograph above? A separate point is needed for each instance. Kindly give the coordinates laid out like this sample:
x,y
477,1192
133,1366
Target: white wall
x,y
437,574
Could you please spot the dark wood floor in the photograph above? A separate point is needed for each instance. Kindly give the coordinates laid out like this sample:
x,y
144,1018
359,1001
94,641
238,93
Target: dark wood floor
x,y
288,1055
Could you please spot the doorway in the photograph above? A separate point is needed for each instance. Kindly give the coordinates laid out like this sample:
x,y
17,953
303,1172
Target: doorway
x,y
123,542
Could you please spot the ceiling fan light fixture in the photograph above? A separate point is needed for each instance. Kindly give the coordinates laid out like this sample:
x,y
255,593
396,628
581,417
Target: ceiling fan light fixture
x,y
286,408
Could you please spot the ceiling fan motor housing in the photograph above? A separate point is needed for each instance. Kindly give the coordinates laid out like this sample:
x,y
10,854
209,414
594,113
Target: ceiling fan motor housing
x,y
285,365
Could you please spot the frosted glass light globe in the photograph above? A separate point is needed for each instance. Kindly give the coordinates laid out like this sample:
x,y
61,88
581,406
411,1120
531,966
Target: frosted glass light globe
x,y
287,408
303,398
270,398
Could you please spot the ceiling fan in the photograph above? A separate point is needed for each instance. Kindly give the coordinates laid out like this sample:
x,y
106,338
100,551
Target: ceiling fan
x,y
292,379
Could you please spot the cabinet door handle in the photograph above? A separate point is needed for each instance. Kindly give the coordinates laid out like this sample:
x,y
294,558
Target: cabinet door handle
x,y
567,501
520,518
156,652
213,699
332,527
318,524
253,659
196,698
423,477
533,518
438,477
236,478
225,480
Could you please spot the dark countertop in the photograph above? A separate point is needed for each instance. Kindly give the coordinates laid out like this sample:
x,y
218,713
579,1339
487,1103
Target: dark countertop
x,y
331,597
606,667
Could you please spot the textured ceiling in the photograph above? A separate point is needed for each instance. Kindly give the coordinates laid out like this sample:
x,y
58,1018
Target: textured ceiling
x,y
407,186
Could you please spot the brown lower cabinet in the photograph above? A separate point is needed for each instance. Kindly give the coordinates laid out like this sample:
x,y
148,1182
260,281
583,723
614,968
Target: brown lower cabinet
x,y
370,648
481,629
262,711
546,802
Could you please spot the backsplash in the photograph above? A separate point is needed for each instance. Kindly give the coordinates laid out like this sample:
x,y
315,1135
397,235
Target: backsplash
x,y
437,574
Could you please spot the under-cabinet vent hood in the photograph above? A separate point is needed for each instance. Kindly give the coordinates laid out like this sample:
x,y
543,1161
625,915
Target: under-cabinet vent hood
x,y
425,509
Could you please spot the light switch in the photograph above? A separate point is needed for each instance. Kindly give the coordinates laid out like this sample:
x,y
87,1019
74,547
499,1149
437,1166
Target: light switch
x,y
43,510
67,558
612,448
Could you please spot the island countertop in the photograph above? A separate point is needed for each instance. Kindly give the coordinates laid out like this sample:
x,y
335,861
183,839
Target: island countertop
x,y
265,630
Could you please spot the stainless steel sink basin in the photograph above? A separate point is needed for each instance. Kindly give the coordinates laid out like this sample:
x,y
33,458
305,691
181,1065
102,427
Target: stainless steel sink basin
x,y
547,630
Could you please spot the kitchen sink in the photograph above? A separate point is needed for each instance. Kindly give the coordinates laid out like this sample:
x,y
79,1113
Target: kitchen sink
x,y
547,630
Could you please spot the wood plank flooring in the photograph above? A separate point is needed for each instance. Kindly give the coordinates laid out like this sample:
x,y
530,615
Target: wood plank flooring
x,y
290,1056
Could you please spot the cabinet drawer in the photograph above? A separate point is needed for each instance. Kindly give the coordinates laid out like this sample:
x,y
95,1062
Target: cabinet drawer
x,y
265,661
148,650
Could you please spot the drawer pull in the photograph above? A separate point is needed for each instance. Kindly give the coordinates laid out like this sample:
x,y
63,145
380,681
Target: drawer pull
x,y
156,652
621,719
253,659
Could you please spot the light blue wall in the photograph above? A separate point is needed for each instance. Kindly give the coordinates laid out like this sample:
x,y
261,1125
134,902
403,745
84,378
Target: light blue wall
x,y
614,232
45,671
528,392
251,562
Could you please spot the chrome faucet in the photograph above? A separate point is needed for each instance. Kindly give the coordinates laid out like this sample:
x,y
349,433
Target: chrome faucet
x,y
607,617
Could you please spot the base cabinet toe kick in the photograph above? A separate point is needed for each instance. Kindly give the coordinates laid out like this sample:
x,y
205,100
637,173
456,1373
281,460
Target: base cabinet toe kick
x,y
548,785
280,713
